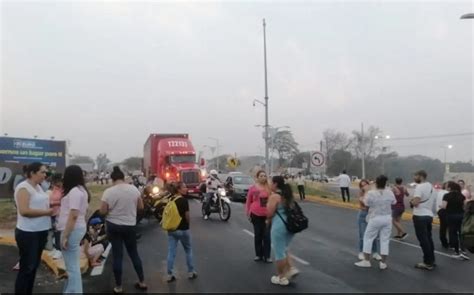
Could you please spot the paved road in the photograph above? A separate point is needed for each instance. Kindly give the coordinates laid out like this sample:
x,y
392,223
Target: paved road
x,y
325,254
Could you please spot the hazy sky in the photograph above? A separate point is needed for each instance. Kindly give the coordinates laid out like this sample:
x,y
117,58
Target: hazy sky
x,y
105,74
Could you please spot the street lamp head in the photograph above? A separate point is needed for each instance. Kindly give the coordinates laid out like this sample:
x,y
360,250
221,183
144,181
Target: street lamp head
x,y
467,16
387,136
376,137
450,146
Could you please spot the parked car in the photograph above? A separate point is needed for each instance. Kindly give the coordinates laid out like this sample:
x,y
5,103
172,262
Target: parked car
x,y
320,178
237,186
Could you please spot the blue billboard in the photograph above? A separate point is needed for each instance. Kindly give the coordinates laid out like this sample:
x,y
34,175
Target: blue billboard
x,y
25,151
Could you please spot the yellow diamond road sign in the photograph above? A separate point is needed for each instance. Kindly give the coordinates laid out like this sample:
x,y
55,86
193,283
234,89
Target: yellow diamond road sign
x,y
233,162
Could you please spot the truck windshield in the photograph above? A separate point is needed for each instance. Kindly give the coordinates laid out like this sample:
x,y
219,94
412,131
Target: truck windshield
x,y
183,159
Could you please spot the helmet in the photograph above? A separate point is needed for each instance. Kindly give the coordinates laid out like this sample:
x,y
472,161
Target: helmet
x,y
213,172
95,221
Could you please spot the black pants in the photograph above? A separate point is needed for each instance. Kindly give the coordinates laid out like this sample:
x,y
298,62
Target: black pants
x,y
443,227
423,227
345,190
31,246
207,203
118,236
262,236
454,226
301,191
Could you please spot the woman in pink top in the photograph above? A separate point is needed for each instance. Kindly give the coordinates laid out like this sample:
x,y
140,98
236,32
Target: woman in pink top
x,y
55,195
72,224
256,209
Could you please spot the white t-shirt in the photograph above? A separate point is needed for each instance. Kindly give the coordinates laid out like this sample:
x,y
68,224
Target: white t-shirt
x,y
424,191
122,200
439,199
300,180
380,202
38,200
75,199
344,180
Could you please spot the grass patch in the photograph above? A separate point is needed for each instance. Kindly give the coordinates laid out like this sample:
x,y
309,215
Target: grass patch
x,y
96,191
320,190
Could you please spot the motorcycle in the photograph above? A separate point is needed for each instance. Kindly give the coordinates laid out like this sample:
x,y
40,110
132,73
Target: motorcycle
x,y
154,203
220,203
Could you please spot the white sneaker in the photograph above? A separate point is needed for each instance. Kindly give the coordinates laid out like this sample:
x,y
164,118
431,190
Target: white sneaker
x,y
276,280
377,256
56,254
292,273
382,265
206,217
361,256
363,263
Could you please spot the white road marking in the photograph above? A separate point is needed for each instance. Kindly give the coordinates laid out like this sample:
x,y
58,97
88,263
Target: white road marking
x,y
296,258
98,270
415,246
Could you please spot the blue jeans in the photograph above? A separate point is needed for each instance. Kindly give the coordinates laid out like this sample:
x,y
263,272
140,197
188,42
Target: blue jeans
x,y
72,258
184,237
362,222
118,236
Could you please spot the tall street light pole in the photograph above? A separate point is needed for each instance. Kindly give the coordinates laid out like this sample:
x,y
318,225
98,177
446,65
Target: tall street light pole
x,y
266,96
265,103
446,147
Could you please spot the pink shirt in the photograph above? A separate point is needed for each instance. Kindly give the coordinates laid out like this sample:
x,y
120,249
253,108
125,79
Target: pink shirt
x,y
75,199
257,201
55,200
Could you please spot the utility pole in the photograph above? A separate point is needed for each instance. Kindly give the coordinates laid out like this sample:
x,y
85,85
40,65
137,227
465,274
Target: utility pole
x,y
266,97
362,147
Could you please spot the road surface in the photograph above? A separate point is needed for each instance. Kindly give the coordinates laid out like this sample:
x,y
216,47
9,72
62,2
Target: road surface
x,y
325,254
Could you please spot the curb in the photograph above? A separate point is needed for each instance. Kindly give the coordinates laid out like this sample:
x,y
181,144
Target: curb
x,y
407,216
50,262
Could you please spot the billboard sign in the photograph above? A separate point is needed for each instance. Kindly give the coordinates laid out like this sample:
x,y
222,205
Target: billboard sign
x,y
25,151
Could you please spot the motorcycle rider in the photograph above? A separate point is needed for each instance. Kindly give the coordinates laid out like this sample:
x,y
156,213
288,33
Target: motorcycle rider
x,y
212,184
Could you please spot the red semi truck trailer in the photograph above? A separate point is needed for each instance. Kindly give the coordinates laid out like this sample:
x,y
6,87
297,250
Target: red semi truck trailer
x,y
171,157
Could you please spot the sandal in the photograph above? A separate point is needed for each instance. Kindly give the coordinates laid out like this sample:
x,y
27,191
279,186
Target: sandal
x,y
141,286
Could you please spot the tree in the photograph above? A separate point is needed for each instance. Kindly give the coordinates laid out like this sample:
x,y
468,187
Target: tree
x,y
285,145
133,163
334,140
102,161
341,160
79,159
300,158
367,143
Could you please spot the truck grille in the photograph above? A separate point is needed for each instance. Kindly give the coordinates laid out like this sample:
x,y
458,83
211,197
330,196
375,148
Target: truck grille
x,y
190,177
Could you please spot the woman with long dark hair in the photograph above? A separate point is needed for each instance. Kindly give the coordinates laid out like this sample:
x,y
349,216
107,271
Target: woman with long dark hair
x,y
72,225
120,203
453,203
33,223
280,200
256,209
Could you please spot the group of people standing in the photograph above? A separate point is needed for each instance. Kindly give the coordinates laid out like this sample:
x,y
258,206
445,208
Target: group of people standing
x,y
382,207
34,222
266,207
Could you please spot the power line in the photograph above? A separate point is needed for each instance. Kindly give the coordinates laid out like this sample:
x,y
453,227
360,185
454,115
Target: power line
x,y
433,136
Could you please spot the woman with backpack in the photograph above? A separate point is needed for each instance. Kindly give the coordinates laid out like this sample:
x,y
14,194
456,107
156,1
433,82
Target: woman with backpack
x,y
453,202
119,204
280,200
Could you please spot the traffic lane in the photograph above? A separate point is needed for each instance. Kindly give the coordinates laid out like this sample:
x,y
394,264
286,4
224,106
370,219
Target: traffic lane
x,y
333,236
223,254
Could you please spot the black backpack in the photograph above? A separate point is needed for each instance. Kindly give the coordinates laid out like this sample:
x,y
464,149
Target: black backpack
x,y
296,221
